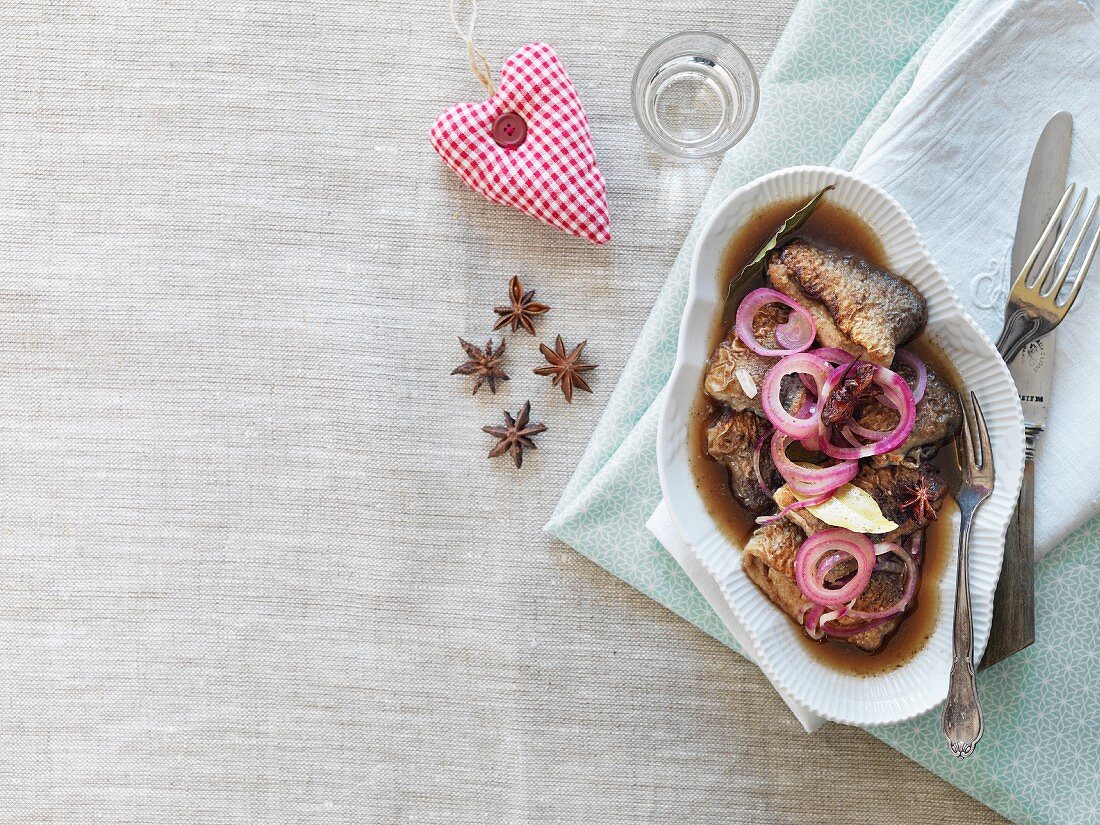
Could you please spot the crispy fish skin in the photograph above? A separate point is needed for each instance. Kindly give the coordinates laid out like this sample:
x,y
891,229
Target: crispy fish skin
x,y
721,382
857,306
730,439
768,559
883,590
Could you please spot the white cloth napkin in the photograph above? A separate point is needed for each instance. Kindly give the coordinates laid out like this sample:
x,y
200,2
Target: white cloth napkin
x,y
955,153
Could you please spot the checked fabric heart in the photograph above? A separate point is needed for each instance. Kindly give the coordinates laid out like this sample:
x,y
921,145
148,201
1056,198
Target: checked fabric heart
x,y
528,146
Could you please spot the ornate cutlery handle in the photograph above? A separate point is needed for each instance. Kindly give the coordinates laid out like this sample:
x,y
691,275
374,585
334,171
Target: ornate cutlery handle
x,y
962,714
1019,329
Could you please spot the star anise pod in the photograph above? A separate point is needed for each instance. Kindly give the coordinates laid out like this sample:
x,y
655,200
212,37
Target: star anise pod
x,y
917,497
484,364
522,310
515,435
846,401
566,368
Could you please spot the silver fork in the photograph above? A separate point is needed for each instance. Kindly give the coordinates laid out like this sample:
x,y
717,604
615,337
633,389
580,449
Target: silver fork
x,y
962,714
1033,309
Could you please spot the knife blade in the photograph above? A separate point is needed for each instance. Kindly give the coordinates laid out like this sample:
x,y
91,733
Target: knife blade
x,y
1033,371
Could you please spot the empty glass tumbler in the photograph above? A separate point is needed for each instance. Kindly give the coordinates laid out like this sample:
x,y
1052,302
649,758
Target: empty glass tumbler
x,y
695,94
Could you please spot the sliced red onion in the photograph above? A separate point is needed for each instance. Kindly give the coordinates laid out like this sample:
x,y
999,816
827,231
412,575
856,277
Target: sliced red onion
x,y
814,618
771,399
811,620
817,617
807,563
852,630
796,505
798,328
833,355
912,575
813,443
906,357
896,392
798,332
832,561
836,613
808,410
869,434
810,481
757,470
850,436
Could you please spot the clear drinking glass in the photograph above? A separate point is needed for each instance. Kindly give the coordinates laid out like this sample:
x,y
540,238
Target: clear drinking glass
x,y
695,94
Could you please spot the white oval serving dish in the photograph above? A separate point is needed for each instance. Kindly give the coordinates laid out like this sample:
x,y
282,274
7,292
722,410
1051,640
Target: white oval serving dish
x,y
920,684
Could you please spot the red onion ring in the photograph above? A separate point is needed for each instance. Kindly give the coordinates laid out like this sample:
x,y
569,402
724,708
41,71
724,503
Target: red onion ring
x,y
850,436
811,618
810,481
757,448
808,410
807,573
816,617
771,394
798,332
815,628
902,604
794,332
853,630
833,355
906,357
897,393
864,432
796,505
829,562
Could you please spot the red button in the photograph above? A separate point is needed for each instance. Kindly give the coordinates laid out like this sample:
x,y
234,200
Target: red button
x,y
509,130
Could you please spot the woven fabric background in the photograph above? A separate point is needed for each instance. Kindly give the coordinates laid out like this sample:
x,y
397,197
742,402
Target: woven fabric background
x,y
254,565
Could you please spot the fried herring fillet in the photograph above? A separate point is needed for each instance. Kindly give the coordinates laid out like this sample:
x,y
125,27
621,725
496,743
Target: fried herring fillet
x,y
856,305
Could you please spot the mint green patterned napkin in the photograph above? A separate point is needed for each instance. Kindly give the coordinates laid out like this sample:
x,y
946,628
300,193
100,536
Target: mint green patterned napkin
x,y
839,70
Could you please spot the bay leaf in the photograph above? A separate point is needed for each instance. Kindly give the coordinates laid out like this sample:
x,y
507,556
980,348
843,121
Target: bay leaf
x,y
754,267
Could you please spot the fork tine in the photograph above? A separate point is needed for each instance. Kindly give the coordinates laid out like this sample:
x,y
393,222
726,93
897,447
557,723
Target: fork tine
x,y
1052,258
1023,276
960,448
1063,272
986,461
1080,280
965,451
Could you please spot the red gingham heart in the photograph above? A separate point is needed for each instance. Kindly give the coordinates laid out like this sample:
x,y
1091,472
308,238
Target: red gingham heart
x,y
553,174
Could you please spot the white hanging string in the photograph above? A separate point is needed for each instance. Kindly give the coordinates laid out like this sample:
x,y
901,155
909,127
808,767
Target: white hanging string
x,y
479,64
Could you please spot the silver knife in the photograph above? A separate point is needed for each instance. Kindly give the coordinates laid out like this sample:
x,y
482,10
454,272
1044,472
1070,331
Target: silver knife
x,y
1033,371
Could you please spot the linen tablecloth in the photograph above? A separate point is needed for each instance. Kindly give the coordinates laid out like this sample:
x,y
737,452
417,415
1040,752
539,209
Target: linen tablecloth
x,y
1017,771
254,563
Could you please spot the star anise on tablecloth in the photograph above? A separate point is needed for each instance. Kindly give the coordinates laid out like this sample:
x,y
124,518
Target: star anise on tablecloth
x,y
917,497
522,310
485,365
845,402
515,436
566,368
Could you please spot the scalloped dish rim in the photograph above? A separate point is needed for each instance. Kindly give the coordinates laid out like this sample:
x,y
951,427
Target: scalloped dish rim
x,y
921,683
